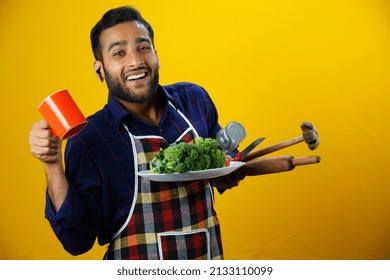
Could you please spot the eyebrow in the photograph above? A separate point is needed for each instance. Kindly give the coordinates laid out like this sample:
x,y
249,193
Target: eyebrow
x,y
124,43
117,43
143,39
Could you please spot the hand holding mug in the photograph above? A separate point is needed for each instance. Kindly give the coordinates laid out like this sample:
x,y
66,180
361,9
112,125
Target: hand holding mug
x,y
44,145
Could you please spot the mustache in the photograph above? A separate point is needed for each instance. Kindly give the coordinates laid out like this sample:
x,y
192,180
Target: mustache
x,y
139,68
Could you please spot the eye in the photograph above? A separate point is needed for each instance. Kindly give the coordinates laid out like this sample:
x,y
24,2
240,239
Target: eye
x,y
144,48
118,53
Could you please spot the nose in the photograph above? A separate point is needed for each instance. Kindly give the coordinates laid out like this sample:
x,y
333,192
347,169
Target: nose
x,y
134,59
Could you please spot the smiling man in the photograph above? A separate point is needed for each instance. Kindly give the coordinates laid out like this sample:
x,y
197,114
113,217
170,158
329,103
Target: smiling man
x,y
129,62
100,195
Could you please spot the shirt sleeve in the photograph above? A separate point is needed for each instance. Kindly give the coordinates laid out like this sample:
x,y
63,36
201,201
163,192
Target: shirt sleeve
x,y
66,215
74,224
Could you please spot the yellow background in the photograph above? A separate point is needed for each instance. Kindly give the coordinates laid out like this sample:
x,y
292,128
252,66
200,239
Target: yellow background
x,y
267,64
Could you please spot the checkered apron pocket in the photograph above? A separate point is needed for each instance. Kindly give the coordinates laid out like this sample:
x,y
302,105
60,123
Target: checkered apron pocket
x,y
184,245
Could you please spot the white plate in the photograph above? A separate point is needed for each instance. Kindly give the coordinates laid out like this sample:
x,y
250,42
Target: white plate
x,y
192,175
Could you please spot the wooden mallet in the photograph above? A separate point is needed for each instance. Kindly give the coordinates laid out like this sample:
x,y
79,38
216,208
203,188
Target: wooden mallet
x,y
309,135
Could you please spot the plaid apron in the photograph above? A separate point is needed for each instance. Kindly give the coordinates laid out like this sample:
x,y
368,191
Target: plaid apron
x,y
168,220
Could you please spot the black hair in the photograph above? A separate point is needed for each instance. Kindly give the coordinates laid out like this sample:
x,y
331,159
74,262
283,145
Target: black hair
x,y
114,17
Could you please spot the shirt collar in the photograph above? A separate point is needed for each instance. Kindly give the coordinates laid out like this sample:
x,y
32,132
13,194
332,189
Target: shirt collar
x,y
119,113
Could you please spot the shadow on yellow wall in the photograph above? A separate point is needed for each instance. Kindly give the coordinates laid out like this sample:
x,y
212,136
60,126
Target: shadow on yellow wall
x,y
267,64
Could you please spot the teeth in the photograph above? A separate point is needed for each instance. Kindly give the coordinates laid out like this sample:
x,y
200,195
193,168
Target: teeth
x,y
135,77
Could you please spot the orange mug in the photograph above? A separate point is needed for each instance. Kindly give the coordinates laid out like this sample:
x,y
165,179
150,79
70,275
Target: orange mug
x,y
62,114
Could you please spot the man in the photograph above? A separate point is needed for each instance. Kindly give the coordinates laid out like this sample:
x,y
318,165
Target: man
x,y
99,195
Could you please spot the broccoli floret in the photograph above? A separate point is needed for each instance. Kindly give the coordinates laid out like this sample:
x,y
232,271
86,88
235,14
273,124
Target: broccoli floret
x,y
215,157
183,157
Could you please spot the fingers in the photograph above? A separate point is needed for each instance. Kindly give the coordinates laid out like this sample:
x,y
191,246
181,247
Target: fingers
x,y
229,181
43,144
41,129
224,182
41,124
238,174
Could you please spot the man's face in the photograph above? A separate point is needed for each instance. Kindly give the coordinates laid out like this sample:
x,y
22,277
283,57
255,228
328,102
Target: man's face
x,y
130,62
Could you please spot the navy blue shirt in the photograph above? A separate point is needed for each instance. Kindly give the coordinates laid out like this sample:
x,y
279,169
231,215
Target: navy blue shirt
x,y
99,164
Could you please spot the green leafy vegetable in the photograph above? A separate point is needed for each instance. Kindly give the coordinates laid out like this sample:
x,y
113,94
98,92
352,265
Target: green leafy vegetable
x,y
203,154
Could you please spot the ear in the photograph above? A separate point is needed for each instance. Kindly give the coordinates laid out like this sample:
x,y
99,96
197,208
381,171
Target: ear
x,y
98,66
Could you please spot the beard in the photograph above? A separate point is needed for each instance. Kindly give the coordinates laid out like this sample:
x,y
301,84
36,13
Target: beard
x,y
120,92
